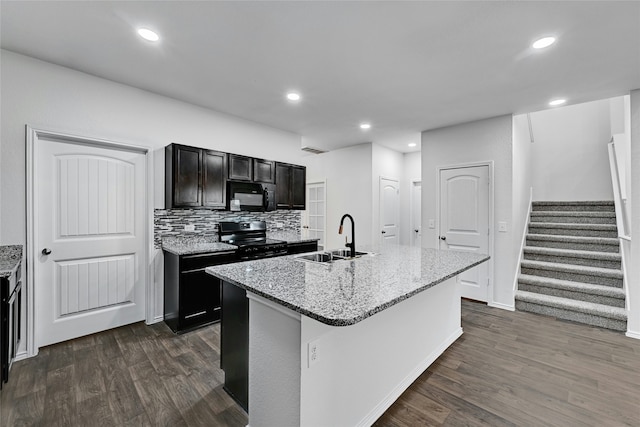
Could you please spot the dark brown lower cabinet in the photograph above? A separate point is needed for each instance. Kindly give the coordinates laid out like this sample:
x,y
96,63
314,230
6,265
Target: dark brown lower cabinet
x,y
234,343
191,296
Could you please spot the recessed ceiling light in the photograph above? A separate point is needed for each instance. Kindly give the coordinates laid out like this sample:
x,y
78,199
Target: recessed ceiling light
x,y
147,34
543,42
412,144
293,96
365,126
556,102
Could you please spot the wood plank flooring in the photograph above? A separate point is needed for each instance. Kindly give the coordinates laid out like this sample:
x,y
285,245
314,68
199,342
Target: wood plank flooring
x,y
508,369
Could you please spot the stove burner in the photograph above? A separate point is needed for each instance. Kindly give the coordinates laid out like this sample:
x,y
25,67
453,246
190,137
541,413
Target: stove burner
x,y
251,240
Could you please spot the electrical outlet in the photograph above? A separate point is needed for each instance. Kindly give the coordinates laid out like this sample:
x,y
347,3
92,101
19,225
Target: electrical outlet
x,y
502,227
279,225
313,352
189,227
432,223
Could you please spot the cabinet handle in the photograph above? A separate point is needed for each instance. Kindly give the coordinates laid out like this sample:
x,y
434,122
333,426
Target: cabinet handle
x,y
46,251
384,232
443,237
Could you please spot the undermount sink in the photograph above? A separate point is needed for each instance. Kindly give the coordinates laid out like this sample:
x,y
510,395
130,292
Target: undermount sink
x,y
346,253
330,256
324,257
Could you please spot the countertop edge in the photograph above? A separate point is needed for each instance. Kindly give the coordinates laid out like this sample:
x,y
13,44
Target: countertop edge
x,y
346,321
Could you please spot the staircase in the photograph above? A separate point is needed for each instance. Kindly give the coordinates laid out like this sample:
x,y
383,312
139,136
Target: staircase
x,y
571,267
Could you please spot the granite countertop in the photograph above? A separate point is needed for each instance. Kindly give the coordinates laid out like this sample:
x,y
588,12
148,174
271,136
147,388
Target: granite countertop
x,y
196,244
346,292
10,257
289,236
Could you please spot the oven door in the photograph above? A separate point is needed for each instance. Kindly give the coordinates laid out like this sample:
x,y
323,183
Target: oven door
x,y
246,196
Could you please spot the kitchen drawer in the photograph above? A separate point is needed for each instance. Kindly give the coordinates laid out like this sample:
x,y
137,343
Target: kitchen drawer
x,y
201,261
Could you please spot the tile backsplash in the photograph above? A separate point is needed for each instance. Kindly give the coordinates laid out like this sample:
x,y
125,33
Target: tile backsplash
x,y
171,222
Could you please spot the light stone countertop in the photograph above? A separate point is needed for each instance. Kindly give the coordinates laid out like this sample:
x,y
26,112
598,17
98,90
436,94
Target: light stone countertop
x,y
195,244
346,292
10,257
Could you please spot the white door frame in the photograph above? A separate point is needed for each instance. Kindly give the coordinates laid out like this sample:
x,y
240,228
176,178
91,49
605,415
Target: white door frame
x,y
489,163
412,220
306,211
380,225
32,136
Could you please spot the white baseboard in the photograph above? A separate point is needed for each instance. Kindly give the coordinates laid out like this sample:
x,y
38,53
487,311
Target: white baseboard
x,y
394,394
502,306
632,334
156,319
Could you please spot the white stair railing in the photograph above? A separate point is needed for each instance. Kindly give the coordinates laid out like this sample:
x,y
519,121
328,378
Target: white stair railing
x,y
621,216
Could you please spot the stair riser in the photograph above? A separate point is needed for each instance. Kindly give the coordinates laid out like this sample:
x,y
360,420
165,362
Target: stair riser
x,y
574,246
535,229
572,219
588,319
575,277
569,208
564,293
616,265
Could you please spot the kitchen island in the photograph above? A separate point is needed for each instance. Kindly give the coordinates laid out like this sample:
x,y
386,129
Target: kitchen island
x,y
336,344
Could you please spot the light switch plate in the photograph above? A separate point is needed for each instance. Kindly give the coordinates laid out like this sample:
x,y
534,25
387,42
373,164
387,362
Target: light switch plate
x,y
502,226
432,223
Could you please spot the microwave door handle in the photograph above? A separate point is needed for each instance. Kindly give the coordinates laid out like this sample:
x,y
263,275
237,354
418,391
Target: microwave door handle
x,y
265,198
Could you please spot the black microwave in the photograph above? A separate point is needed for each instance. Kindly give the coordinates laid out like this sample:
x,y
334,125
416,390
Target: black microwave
x,y
250,196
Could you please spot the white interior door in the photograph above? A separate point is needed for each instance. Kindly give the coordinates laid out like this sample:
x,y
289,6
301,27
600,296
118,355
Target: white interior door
x,y
416,214
90,237
315,214
464,222
389,210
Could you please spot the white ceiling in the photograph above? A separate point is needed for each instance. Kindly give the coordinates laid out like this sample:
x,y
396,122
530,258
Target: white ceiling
x,y
403,66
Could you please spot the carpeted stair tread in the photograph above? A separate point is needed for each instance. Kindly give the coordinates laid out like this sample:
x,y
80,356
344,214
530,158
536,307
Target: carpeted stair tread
x,y
574,226
574,239
593,214
617,313
576,269
569,285
572,253
591,206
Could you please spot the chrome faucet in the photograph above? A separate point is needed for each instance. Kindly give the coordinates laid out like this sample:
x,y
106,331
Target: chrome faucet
x,y
351,245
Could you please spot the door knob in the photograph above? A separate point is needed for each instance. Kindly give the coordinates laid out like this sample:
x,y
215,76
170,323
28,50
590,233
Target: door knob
x,y
46,251
443,237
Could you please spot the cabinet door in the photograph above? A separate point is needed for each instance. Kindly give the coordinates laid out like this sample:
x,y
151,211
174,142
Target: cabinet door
x,y
298,187
185,176
199,298
283,186
240,167
264,171
214,185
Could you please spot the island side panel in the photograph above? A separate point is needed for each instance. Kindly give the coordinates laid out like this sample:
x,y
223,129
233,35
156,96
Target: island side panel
x,y
362,369
274,364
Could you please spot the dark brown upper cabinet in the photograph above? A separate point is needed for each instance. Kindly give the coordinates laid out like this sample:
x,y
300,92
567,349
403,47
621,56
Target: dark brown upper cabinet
x,y
264,171
240,168
290,186
195,177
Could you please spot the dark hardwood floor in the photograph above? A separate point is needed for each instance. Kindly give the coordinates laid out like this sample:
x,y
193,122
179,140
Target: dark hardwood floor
x,y
508,369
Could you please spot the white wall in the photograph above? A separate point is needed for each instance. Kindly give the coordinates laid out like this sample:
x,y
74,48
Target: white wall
x,y
47,96
569,154
633,324
484,140
522,181
51,97
348,173
385,163
411,172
